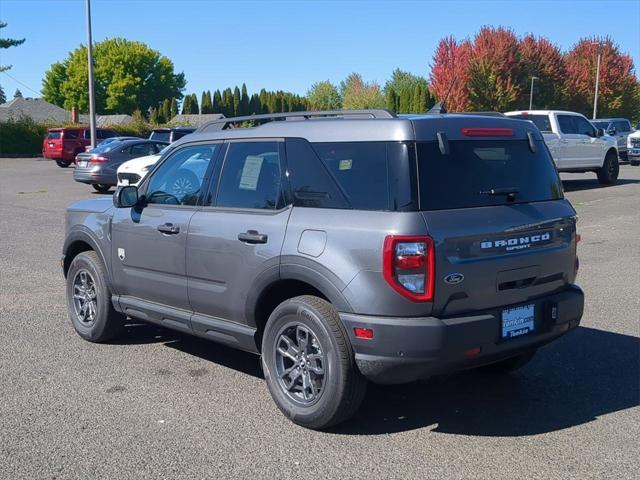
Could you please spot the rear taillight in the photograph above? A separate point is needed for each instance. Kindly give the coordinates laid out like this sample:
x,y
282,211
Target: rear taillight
x,y
99,159
408,265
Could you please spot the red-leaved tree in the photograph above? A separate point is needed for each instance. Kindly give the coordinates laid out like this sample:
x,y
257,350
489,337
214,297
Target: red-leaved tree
x,y
450,73
618,86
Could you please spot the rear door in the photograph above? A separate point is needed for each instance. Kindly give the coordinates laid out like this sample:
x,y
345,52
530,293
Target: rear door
x,y
494,249
237,237
591,146
149,242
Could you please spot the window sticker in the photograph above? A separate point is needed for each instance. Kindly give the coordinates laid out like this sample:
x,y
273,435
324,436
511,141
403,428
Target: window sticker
x,y
251,172
345,164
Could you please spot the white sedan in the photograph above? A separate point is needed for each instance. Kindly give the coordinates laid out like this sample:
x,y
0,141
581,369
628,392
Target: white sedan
x,y
133,171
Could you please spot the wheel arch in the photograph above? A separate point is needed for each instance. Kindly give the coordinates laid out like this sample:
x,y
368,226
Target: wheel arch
x,y
79,241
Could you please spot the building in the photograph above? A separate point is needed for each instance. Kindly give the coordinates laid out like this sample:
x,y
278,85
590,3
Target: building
x,y
36,109
195,120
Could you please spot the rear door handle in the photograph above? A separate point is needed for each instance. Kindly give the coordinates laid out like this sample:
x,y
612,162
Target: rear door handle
x,y
252,236
169,229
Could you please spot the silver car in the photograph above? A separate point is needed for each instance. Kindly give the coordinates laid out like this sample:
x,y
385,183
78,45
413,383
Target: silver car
x,y
619,128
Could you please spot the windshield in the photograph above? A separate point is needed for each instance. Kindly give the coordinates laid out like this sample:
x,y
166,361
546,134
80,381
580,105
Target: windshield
x,y
160,135
478,173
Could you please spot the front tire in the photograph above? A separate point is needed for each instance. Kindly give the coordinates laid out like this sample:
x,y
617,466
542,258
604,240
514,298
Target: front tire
x,y
62,163
89,300
100,188
608,174
309,364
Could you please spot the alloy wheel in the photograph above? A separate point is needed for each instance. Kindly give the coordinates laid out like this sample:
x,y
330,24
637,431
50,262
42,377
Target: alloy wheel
x,y
300,364
85,301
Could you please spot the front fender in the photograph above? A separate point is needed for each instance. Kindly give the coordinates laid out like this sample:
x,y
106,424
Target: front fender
x,y
81,233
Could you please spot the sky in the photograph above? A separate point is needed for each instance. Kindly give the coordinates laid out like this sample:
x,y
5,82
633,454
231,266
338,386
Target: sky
x,y
289,45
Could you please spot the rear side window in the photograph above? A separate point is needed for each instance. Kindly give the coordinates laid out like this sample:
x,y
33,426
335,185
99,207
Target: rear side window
x,y
71,134
465,177
541,121
141,149
57,135
251,176
622,126
566,124
370,175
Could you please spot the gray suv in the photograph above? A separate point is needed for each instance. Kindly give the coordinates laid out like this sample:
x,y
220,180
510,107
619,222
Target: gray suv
x,y
341,247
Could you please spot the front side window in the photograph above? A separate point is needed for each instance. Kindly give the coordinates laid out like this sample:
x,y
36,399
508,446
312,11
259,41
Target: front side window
x,y
251,176
179,180
622,126
473,168
584,127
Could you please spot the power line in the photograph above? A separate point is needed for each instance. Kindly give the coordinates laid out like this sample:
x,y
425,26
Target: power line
x,y
23,84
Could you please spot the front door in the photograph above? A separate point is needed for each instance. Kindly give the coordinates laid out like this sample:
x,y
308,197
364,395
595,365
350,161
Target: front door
x,y
149,241
237,238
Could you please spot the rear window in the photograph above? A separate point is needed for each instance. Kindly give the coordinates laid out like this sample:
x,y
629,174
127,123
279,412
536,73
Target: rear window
x,y
540,121
55,135
370,175
465,177
160,135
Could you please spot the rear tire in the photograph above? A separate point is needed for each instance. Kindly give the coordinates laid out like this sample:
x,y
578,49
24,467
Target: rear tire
x,y
89,300
608,174
62,163
510,364
99,187
309,364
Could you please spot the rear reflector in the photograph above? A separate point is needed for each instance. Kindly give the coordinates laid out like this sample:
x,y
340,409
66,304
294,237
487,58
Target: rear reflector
x,y
472,352
408,265
364,333
487,132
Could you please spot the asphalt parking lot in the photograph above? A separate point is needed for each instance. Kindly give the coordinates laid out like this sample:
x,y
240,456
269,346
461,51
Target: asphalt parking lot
x,y
161,405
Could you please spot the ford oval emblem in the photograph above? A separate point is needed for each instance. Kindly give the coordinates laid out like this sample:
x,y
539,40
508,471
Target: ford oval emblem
x,y
454,278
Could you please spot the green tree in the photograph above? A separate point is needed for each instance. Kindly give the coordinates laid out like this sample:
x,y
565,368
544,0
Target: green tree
x,y
174,107
153,116
8,43
227,103
128,75
216,102
236,101
406,93
160,116
244,101
194,104
166,110
186,105
3,98
17,94
358,94
324,96
206,105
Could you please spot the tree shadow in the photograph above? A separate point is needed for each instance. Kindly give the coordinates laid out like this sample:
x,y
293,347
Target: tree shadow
x,y
579,184
580,377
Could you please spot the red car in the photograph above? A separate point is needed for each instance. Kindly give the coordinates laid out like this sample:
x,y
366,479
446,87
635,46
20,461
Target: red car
x,y
63,144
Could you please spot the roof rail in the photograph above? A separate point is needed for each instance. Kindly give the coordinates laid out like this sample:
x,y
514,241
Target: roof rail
x,y
223,123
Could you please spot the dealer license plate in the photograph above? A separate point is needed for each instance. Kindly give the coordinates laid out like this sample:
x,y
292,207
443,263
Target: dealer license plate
x,y
518,321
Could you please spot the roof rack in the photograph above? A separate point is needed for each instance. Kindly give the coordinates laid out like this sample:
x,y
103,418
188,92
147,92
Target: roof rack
x,y
223,123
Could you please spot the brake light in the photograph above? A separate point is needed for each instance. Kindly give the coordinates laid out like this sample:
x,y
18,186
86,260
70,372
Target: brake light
x,y
364,333
408,265
99,159
487,132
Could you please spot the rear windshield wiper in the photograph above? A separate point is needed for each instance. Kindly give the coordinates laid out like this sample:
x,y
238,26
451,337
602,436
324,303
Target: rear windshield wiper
x,y
509,192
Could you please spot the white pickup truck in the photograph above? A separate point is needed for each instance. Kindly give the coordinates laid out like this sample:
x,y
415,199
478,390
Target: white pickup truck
x,y
575,144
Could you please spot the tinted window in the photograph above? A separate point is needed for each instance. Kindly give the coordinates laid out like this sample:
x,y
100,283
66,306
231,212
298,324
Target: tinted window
x,y
603,125
179,134
71,134
370,175
105,134
178,181
566,124
541,121
142,149
54,135
473,168
251,176
622,126
584,127
105,147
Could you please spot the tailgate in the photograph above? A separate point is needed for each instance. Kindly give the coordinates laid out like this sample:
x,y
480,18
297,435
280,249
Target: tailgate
x,y
501,255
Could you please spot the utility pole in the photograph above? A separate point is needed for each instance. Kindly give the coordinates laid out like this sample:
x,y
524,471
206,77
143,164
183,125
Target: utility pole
x,y
92,99
531,94
595,98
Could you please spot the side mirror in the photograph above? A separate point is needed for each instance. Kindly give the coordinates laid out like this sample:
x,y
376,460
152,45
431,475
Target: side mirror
x,y
126,197
600,133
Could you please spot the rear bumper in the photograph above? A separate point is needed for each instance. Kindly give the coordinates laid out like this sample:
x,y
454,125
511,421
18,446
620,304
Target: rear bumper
x,y
407,349
87,176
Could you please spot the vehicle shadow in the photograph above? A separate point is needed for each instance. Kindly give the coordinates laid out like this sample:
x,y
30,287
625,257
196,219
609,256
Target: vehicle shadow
x,y
592,184
584,375
142,333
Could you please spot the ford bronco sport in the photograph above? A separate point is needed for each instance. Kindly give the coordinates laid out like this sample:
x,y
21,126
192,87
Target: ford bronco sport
x,y
340,246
